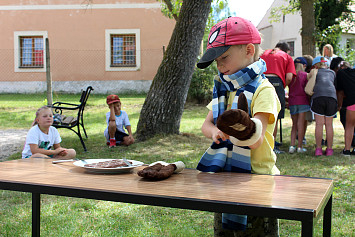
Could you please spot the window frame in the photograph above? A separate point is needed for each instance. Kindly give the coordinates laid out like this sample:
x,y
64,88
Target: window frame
x,y
291,43
108,34
17,50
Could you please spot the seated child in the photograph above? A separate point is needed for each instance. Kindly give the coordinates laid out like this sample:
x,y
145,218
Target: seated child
x,y
244,141
43,136
117,120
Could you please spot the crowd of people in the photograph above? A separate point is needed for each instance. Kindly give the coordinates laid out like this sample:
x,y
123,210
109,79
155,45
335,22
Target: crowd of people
x,y
332,92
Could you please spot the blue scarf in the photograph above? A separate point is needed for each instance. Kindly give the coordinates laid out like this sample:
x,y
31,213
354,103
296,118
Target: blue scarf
x,y
225,156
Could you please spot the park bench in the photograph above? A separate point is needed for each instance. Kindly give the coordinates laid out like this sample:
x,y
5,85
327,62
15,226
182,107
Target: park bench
x,y
62,120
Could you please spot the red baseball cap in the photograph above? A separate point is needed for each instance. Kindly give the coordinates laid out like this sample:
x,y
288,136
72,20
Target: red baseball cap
x,y
112,99
230,31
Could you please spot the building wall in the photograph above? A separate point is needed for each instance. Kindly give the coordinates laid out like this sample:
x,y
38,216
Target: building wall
x,y
286,30
77,43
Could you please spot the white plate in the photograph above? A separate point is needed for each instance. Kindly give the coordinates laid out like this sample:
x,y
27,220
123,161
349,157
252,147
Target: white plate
x,y
123,169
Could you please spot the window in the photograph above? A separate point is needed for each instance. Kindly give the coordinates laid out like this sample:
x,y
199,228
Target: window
x,y
292,48
29,51
122,50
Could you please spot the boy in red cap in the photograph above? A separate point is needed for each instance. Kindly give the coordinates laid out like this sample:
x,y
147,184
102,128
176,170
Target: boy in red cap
x,y
117,120
242,141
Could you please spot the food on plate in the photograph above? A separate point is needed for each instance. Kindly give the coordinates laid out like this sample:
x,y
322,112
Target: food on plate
x,y
108,164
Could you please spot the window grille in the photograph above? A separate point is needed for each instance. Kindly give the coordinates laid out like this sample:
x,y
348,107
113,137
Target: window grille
x,y
31,52
123,50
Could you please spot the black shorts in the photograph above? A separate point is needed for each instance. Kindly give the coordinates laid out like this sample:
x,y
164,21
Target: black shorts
x,y
325,106
280,91
120,135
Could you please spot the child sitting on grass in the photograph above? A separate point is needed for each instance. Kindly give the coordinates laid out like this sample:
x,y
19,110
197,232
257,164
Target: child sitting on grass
x,y
42,137
117,120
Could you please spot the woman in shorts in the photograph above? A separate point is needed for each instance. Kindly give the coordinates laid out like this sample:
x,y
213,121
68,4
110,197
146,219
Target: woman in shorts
x,y
324,104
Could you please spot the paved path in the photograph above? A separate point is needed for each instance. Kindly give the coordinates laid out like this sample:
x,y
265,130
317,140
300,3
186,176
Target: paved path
x,y
11,141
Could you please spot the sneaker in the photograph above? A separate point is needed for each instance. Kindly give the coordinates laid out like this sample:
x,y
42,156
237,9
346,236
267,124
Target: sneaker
x,y
346,153
304,141
301,150
329,152
278,143
318,152
277,151
292,149
353,152
112,143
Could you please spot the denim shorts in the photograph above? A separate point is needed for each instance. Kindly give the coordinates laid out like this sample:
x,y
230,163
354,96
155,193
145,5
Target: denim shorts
x,y
297,109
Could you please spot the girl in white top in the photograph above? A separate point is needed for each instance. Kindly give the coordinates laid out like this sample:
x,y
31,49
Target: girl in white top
x,y
42,137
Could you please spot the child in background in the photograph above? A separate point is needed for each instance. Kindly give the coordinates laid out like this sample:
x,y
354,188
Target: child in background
x,y
324,104
234,44
117,120
42,137
328,52
299,103
346,102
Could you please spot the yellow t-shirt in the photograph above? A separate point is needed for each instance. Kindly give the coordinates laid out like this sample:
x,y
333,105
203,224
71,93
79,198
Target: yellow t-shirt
x,y
264,100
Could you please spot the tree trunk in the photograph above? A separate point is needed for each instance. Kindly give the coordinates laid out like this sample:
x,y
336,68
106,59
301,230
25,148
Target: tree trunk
x,y
163,107
308,28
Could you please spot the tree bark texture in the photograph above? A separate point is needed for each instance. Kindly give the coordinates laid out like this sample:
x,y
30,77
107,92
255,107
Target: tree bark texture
x,y
308,28
163,107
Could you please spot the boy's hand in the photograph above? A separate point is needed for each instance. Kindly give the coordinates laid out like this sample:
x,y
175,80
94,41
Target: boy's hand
x,y
218,134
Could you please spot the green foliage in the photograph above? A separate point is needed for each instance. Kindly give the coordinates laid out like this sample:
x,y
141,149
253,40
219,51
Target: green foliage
x,y
348,54
200,90
330,35
219,11
277,12
328,15
174,10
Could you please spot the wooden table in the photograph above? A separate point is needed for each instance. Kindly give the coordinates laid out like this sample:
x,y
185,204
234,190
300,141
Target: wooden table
x,y
284,197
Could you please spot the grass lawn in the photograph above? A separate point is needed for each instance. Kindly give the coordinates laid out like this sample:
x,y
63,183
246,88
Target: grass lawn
x,y
64,216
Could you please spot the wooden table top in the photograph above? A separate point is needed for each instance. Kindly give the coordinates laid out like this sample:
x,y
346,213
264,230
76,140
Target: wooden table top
x,y
285,192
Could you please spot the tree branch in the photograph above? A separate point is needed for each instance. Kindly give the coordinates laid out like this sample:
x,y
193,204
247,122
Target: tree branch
x,y
170,8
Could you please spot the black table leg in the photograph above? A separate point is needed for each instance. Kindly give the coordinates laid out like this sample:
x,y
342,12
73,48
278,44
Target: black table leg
x,y
36,214
327,218
307,228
